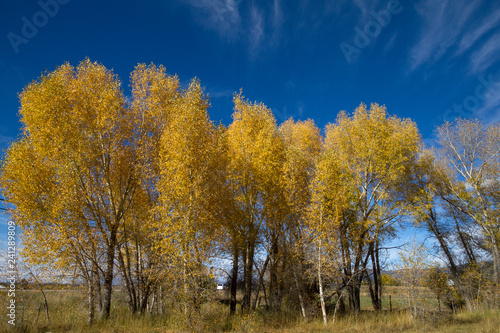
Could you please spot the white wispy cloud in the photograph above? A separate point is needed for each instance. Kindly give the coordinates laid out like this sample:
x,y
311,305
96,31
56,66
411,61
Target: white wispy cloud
x,y
390,43
486,56
4,218
490,109
265,27
256,33
222,93
5,139
215,91
471,37
5,142
278,17
364,11
257,25
3,230
362,5
222,16
277,21
444,22
366,7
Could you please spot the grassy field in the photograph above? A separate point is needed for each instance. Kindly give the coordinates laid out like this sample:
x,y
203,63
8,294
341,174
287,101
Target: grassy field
x,y
67,313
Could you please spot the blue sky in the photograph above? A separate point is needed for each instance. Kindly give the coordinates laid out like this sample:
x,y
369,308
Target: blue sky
x,y
428,60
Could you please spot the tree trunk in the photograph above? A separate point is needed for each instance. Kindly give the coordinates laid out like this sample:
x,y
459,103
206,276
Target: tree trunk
x,y
234,281
185,287
248,272
496,259
337,306
108,276
357,276
299,292
320,283
132,297
373,296
96,279
91,299
261,282
377,276
433,226
354,295
273,277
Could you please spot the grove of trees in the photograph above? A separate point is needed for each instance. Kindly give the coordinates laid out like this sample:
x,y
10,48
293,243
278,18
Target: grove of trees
x,y
148,190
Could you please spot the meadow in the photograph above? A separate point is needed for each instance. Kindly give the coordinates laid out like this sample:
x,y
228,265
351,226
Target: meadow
x,y
67,312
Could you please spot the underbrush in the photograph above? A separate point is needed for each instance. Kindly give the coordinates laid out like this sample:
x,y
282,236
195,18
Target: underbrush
x,y
68,313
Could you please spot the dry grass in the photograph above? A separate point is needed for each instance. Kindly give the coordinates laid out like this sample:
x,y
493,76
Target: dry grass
x,y
67,310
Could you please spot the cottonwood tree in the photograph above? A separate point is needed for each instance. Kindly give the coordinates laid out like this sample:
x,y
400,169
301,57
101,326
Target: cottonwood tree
x,y
424,190
150,185
375,149
187,229
437,281
230,214
302,142
153,100
420,191
470,154
255,158
72,174
413,266
328,214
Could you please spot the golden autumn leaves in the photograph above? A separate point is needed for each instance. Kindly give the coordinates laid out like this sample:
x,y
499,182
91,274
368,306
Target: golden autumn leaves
x,y
151,181
150,185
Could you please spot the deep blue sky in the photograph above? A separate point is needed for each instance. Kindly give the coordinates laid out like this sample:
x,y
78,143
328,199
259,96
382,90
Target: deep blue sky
x,y
420,60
